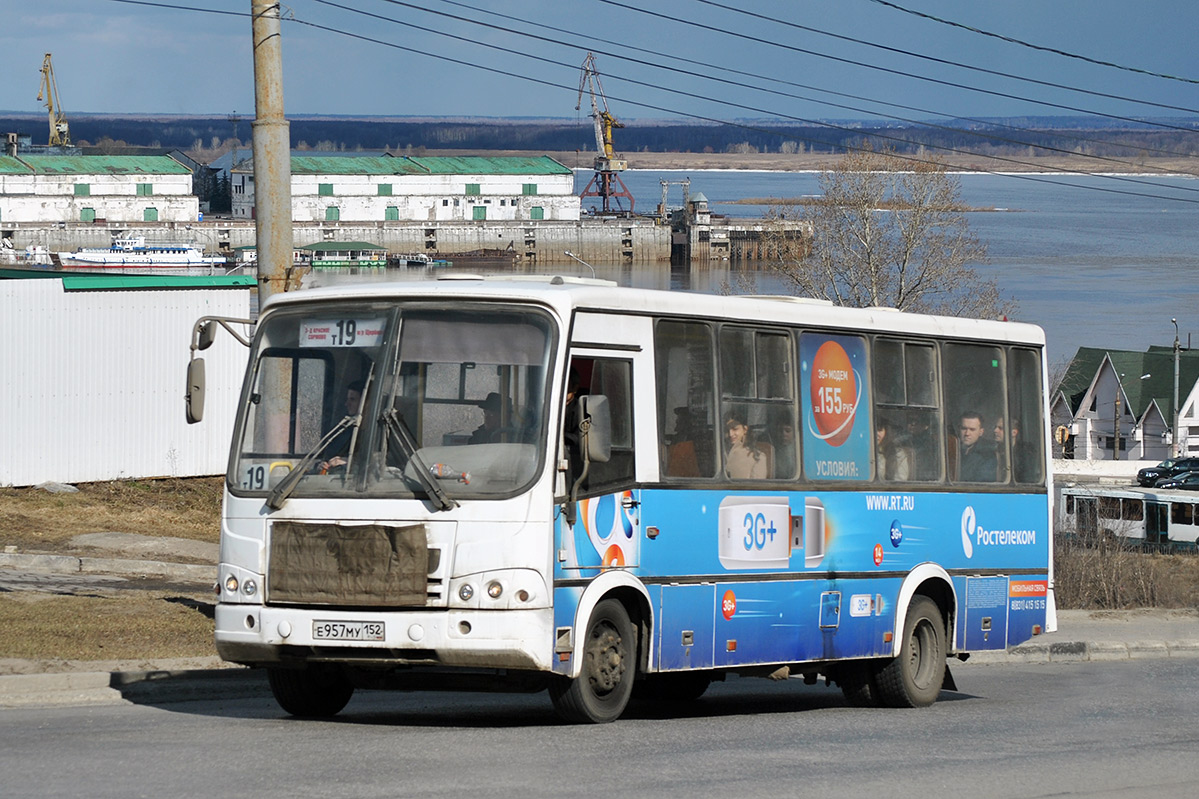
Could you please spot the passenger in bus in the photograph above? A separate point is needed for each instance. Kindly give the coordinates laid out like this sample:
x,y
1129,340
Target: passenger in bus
x,y
782,432
923,442
681,459
492,405
1024,457
744,461
337,449
892,456
1001,452
977,462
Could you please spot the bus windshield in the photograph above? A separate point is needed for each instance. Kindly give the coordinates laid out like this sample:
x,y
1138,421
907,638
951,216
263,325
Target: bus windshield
x,y
409,400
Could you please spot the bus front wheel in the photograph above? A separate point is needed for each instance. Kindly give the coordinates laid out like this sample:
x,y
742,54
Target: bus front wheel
x,y
914,678
311,692
609,666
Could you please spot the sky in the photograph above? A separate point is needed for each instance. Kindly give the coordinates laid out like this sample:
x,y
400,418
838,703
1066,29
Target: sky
x,y
389,58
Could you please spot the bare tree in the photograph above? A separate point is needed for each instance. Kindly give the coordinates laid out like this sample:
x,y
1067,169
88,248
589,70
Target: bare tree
x,y
889,232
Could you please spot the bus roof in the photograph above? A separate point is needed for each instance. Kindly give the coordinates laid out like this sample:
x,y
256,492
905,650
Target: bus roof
x,y
567,293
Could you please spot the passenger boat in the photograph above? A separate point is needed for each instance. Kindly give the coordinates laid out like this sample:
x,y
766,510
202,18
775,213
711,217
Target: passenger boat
x,y
417,259
355,254
136,251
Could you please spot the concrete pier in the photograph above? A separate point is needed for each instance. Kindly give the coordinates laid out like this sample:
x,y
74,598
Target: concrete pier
x,y
605,240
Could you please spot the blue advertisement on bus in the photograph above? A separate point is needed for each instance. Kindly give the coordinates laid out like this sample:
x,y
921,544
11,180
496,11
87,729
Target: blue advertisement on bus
x,y
812,575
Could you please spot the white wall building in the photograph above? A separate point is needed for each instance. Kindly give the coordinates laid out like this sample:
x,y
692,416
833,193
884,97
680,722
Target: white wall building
x,y
120,189
94,372
433,189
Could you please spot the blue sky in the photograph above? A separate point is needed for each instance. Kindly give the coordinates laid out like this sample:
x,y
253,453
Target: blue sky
x,y
113,57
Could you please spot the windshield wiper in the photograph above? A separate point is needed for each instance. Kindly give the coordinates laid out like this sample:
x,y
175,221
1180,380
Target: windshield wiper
x,y
396,427
279,493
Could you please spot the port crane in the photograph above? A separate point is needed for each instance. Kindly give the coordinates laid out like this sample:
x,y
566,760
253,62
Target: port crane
x,y
605,183
60,133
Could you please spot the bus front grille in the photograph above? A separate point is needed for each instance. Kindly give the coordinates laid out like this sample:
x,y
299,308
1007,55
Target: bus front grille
x,y
352,565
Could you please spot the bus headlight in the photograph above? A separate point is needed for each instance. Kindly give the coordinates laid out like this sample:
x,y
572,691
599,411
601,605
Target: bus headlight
x,y
466,591
249,588
494,589
231,584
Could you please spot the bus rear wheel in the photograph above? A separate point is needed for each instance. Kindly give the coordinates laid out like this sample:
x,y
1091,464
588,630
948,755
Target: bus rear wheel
x,y
914,678
310,692
609,666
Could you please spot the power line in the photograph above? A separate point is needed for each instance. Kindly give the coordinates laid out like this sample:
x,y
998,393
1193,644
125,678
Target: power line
x,y
640,104
889,71
701,117
772,79
175,7
1031,46
634,81
942,61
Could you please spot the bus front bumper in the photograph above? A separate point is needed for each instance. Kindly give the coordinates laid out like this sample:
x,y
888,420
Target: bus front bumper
x,y
257,635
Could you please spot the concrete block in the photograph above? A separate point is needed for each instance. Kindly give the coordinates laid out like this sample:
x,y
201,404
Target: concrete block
x,y
189,572
1107,650
1148,649
1030,653
1068,651
72,688
43,564
1183,649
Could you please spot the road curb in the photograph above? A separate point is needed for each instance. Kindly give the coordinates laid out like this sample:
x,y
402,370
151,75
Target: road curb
x,y
1088,651
151,687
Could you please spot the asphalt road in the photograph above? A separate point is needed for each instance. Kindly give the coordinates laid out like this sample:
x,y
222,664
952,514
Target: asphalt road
x,y
1125,728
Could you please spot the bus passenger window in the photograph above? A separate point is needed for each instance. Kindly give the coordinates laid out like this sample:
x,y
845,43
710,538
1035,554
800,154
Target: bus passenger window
x,y
907,414
757,412
687,434
975,391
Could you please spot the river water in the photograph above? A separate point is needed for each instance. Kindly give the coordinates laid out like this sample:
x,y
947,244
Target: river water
x,y
1096,262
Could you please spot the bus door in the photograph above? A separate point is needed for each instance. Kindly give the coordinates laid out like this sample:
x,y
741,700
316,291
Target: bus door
x,y
1157,522
605,531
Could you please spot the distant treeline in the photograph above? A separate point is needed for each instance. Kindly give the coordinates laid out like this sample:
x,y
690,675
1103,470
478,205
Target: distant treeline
x,y
1007,136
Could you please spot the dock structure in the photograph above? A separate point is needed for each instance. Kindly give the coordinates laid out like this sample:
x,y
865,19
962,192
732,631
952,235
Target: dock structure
x,y
438,206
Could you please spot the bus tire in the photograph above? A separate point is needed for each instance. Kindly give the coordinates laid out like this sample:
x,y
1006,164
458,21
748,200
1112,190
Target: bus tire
x,y
609,666
859,685
914,678
310,692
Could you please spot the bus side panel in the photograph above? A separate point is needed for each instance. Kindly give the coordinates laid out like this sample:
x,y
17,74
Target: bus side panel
x,y
743,578
811,576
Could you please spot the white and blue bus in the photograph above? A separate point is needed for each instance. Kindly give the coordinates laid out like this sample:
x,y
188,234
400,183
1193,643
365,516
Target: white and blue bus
x,y
561,484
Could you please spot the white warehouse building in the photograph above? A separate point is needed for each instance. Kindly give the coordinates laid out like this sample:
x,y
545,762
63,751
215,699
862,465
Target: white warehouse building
x,y
434,189
121,189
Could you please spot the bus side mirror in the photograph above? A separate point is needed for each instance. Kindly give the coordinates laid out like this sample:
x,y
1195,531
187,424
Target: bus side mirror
x,y
195,390
598,437
206,335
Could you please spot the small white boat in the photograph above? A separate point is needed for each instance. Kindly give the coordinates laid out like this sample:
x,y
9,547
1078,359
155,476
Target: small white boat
x,y
136,251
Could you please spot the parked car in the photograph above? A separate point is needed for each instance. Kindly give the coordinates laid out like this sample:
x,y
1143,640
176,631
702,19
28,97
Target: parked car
x,y
1166,469
1187,481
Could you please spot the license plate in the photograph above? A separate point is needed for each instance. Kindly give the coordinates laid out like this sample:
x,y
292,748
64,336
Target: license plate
x,y
348,630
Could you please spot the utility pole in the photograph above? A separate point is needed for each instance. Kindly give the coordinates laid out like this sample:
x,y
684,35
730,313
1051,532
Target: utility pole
x,y
1176,447
1116,426
272,155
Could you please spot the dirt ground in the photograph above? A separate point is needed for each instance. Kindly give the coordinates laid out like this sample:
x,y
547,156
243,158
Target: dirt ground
x,y
100,623
36,520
